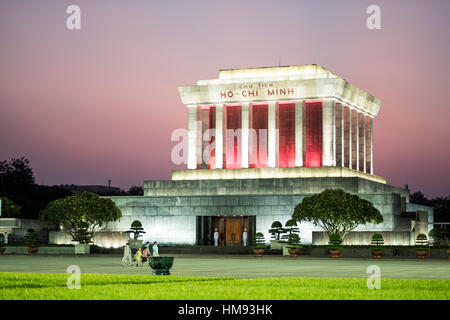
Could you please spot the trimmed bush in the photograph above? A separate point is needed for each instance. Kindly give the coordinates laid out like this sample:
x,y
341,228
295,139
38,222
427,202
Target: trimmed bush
x,y
259,242
421,242
32,239
137,229
294,241
82,234
335,242
289,228
276,229
377,242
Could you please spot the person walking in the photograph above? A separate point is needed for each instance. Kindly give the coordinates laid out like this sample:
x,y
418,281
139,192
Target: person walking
x,y
155,249
144,258
149,252
138,256
127,259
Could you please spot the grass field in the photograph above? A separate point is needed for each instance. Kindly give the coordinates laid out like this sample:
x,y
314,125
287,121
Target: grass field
x,y
49,286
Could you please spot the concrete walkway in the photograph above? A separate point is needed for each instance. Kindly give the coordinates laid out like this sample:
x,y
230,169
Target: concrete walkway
x,y
236,266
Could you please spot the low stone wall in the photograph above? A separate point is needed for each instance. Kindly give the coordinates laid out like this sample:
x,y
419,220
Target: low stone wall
x,y
105,239
389,252
42,250
391,238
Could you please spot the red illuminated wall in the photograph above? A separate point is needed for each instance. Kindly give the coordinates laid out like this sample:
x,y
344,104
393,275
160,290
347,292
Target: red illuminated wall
x,y
313,134
258,140
286,142
212,125
233,141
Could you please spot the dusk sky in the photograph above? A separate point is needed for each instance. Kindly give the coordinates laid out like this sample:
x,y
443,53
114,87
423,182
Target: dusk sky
x,y
101,103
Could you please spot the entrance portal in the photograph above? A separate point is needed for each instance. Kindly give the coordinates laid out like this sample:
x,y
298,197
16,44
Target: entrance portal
x,y
230,229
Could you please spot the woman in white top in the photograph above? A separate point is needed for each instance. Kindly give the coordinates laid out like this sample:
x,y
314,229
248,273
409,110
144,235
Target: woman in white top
x,y
216,237
244,236
155,249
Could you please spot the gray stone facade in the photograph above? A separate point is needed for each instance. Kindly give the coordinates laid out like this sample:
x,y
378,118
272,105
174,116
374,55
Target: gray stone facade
x,y
169,209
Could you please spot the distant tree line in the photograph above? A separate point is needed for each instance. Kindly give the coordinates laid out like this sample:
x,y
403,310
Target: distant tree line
x,y
441,205
23,198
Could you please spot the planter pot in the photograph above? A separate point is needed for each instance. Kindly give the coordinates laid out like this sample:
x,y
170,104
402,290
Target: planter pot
x,y
258,252
421,254
2,250
334,253
32,251
294,252
82,248
377,254
135,244
161,265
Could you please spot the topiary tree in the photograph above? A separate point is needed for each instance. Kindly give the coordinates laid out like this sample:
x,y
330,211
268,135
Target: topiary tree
x,y
377,242
32,240
259,242
276,229
137,229
73,213
290,228
336,211
82,234
294,241
335,242
421,242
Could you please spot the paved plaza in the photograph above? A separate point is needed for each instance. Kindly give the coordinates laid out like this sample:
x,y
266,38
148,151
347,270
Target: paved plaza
x,y
236,266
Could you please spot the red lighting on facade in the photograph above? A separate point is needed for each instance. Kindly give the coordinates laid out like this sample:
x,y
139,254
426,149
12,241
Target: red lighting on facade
x,y
286,126
259,136
233,137
313,134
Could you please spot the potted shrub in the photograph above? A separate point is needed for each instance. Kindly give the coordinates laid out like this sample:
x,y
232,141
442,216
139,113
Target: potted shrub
x,y
84,239
276,229
259,244
137,229
294,246
335,245
376,244
32,242
421,246
2,244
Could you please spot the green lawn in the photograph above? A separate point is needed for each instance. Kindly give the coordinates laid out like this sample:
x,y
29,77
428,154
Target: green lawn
x,y
103,286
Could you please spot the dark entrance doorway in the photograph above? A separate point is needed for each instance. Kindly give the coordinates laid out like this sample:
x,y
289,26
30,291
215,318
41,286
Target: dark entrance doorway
x,y
230,229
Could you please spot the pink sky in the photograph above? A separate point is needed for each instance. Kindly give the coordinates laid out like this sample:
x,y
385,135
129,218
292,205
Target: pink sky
x,y
101,103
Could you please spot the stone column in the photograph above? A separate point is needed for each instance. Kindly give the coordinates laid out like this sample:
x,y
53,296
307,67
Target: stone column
x,y
355,142
350,139
299,133
340,133
328,132
192,136
362,142
219,136
245,134
371,145
205,136
272,143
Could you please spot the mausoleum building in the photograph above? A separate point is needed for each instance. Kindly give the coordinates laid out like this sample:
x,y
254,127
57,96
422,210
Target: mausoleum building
x,y
259,141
